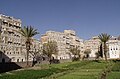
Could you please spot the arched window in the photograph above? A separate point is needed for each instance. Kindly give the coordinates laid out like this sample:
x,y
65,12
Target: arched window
x,y
22,60
17,60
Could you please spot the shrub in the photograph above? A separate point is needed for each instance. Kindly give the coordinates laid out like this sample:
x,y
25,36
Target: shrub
x,y
75,58
54,61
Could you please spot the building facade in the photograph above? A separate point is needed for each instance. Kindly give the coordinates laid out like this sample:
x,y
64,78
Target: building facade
x,y
93,45
12,44
114,48
35,49
64,40
13,48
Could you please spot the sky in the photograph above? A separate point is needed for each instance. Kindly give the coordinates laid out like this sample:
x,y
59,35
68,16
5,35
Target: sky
x,y
87,17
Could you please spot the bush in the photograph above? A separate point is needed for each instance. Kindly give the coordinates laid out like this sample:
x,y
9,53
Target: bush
x,y
75,58
115,60
54,61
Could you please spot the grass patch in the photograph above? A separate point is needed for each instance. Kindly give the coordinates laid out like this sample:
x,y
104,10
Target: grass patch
x,y
46,71
114,75
115,72
31,74
116,67
69,70
90,70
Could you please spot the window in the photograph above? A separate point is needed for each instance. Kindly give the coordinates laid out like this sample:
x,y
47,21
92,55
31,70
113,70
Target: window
x,y
22,60
114,48
17,60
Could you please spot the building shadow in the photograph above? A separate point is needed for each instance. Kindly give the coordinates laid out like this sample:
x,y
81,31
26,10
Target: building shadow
x,y
6,64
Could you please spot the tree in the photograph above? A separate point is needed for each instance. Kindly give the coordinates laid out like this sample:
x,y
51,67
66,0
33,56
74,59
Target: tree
x,y
50,48
97,54
101,50
36,56
75,51
87,52
104,37
28,32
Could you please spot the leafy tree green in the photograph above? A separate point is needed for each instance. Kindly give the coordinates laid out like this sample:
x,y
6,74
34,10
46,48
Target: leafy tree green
x,y
100,52
87,52
97,55
75,51
50,48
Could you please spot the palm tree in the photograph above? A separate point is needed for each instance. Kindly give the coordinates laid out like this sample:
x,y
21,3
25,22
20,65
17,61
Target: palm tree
x,y
28,32
101,51
104,37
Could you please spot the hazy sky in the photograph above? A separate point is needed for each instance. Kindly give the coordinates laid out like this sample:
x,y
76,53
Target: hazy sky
x,y
86,17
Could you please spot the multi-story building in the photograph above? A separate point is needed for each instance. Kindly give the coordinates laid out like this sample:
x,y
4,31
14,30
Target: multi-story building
x,y
13,49
114,48
12,45
113,45
64,40
35,49
93,45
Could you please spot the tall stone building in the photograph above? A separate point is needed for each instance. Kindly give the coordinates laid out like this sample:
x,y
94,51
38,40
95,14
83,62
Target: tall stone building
x,y
113,48
64,40
35,49
93,45
12,45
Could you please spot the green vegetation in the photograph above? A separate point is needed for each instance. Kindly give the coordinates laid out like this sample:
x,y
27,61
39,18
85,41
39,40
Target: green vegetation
x,y
104,37
30,74
87,52
50,48
115,72
69,70
47,70
90,71
28,32
76,52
